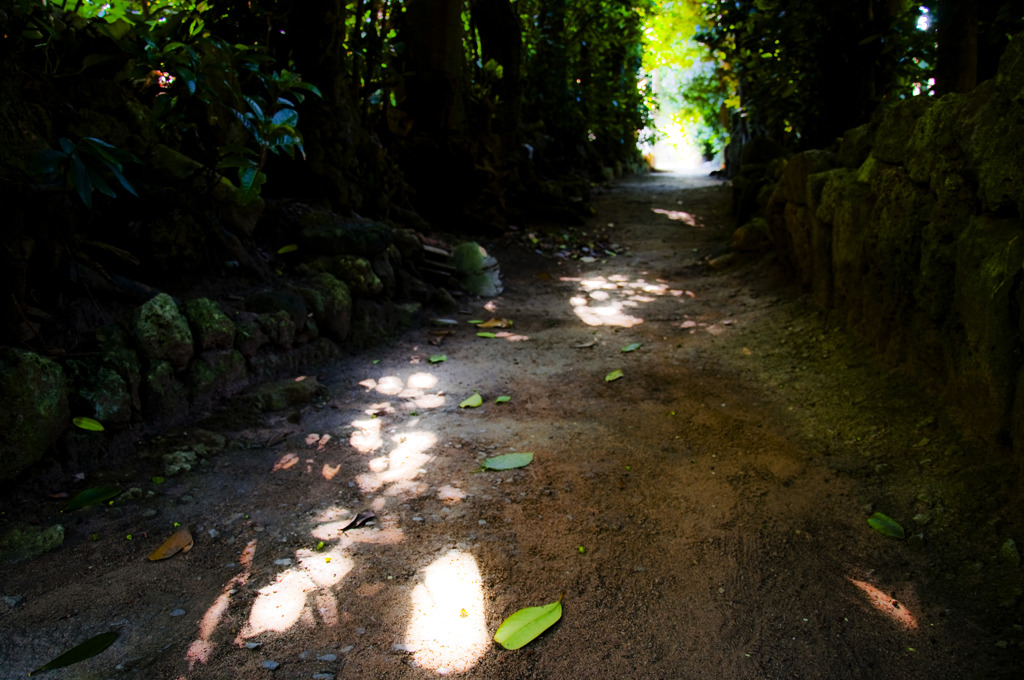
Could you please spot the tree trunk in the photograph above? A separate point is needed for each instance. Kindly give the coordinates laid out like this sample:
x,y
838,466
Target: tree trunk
x,y
501,40
432,33
956,68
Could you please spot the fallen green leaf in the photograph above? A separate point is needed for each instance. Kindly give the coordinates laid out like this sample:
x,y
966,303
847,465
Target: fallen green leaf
x,y
471,402
886,526
158,480
632,347
509,461
86,650
486,334
475,321
376,361
320,545
88,424
438,358
526,624
290,248
91,497
502,399
614,375
582,550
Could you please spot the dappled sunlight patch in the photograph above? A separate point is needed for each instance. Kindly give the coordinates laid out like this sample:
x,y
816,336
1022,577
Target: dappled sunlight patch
x,y
612,300
401,465
447,630
422,381
450,495
283,603
329,472
511,337
202,647
366,437
429,401
894,609
285,462
678,216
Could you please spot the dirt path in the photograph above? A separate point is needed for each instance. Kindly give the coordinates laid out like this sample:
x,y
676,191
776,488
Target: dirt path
x,y
703,516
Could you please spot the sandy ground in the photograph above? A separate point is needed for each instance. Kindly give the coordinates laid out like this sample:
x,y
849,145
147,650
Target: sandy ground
x,y
703,516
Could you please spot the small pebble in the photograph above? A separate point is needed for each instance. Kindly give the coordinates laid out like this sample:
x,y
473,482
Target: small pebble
x,y
252,645
186,499
417,519
283,562
270,665
323,676
360,631
149,513
178,612
213,533
347,649
327,657
482,522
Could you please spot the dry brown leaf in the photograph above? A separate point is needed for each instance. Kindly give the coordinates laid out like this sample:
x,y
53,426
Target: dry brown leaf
x,y
179,541
495,323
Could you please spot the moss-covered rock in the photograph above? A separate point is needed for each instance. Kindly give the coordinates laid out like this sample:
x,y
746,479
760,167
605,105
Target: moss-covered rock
x,y
793,182
896,127
217,373
996,138
249,336
846,204
278,327
332,305
211,327
321,231
384,266
99,392
21,544
983,332
283,394
162,332
33,409
271,301
855,146
164,398
117,356
356,273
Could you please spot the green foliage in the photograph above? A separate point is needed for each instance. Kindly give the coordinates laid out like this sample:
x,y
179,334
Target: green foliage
x,y
805,68
206,82
229,105
583,62
86,166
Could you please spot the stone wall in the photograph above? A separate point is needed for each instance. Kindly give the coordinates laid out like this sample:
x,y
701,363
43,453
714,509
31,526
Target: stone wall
x,y
910,230
169,359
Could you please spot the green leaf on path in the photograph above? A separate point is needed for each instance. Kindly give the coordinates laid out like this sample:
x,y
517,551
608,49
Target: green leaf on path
x,y
91,497
475,321
471,402
438,358
526,624
886,526
632,347
503,399
508,461
290,248
88,424
86,650
614,375
486,334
